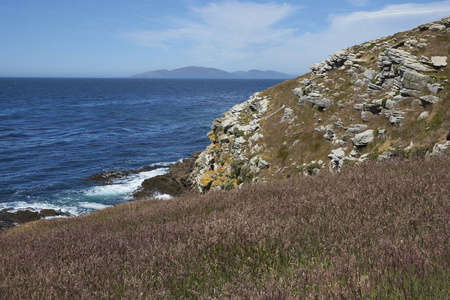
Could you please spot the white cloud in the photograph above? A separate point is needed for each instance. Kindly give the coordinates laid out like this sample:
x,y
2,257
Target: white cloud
x,y
227,30
236,35
361,26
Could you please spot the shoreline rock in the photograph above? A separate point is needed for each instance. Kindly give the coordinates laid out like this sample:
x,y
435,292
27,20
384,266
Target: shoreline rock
x,y
107,177
173,183
10,217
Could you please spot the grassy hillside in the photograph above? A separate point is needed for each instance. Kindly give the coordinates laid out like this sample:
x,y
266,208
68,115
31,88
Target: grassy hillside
x,y
394,91
376,230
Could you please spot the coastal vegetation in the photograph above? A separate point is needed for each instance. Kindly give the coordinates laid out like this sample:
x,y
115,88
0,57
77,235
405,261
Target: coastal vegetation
x,y
335,184
377,100
375,230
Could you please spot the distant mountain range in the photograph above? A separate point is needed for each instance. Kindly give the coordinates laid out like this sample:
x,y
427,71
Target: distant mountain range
x,y
212,73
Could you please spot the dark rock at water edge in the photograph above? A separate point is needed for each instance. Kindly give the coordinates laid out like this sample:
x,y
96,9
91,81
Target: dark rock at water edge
x,y
108,177
173,183
10,218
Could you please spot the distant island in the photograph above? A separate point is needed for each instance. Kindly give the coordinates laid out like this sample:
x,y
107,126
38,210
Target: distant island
x,y
212,73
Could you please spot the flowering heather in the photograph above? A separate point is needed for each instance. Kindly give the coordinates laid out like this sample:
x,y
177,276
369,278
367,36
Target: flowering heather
x,y
375,230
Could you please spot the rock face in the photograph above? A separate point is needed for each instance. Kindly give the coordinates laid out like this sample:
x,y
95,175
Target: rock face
x,y
227,162
380,99
173,183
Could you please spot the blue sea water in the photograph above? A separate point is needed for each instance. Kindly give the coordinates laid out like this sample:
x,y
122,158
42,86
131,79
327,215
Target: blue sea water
x,y
56,132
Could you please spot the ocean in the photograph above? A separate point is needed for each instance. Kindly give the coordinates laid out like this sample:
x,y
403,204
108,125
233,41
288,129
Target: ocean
x,y
54,133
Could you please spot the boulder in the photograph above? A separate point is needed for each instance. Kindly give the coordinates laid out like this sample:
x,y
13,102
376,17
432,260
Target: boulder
x,y
370,74
336,60
395,116
262,164
446,22
437,27
440,149
357,128
412,80
337,158
360,83
375,107
403,58
423,115
329,135
416,103
390,104
434,88
439,61
228,123
366,116
359,106
256,137
316,99
363,139
430,99
410,93
288,114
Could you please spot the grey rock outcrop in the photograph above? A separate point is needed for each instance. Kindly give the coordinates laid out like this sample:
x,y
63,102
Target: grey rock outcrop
x,y
386,85
439,61
356,128
363,139
337,158
288,114
316,99
440,149
430,99
423,115
336,60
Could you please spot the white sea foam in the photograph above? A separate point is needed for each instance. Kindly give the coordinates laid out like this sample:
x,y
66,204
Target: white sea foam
x,y
38,206
82,202
162,196
93,205
164,164
123,187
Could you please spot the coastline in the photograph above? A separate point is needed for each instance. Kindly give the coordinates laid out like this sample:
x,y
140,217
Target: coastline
x,y
10,217
174,183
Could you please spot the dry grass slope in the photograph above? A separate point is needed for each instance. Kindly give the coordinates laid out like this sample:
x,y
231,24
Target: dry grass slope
x,y
375,230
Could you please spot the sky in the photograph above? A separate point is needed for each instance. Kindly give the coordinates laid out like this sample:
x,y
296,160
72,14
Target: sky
x,y
112,38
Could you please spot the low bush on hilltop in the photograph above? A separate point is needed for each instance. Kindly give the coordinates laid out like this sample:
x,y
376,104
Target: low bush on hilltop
x,y
375,230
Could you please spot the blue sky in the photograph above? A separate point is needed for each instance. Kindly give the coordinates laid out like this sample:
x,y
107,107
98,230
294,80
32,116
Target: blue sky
x,y
99,38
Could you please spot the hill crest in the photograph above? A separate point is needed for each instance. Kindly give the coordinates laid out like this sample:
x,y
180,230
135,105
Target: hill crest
x,y
384,98
195,72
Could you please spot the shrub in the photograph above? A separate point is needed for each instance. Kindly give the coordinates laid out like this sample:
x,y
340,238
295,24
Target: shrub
x,y
238,133
228,186
375,80
236,166
311,167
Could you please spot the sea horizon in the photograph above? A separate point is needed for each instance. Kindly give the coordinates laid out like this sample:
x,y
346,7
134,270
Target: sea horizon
x,y
55,132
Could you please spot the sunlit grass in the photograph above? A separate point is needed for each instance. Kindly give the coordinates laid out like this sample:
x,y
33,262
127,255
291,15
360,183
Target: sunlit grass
x,y
377,230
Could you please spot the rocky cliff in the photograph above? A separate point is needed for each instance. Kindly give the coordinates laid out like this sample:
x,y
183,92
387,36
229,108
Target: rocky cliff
x,y
384,98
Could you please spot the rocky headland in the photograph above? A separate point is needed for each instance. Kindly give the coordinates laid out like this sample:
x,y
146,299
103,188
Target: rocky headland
x,y
384,98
